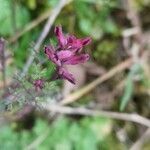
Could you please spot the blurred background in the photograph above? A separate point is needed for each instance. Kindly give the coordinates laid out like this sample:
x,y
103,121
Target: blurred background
x,y
116,79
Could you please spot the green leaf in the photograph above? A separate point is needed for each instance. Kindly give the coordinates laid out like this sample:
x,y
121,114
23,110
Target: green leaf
x,y
6,23
127,93
53,3
85,26
129,88
31,4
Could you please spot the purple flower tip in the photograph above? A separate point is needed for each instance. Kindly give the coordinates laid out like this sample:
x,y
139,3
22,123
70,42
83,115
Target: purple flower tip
x,y
38,84
68,52
64,74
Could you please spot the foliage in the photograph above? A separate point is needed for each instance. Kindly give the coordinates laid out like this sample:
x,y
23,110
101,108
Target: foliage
x,y
94,22
103,21
106,53
86,134
22,17
135,71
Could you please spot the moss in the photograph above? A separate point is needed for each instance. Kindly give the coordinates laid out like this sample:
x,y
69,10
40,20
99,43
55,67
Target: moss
x,y
105,53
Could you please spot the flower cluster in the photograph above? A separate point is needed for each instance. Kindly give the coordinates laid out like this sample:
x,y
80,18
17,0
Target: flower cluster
x,y
68,52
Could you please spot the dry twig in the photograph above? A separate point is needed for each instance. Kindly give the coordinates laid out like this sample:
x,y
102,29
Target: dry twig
x,y
2,60
87,112
76,95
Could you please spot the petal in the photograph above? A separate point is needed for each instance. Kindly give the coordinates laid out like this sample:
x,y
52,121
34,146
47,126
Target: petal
x,y
75,44
86,41
51,54
71,38
64,74
77,59
60,36
64,54
58,30
49,51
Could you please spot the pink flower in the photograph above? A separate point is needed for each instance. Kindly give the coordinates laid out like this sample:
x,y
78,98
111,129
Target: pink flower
x,y
70,41
68,52
38,84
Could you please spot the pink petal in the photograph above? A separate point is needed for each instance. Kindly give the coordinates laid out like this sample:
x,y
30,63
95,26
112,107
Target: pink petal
x,y
64,74
75,44
86,41
64,54
51,54
77,59
49,51
71,38
60,36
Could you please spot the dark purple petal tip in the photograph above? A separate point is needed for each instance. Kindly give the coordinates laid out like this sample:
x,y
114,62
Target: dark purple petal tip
x,y
64,74
58,30
86,41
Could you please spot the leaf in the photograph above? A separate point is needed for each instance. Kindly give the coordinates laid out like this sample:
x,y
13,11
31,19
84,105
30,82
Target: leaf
x,y
21,18
31,4
129,88
52,3
85,26
127,93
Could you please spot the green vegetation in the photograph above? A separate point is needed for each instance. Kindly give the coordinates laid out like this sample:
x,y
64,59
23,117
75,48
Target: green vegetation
x,y
128,91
